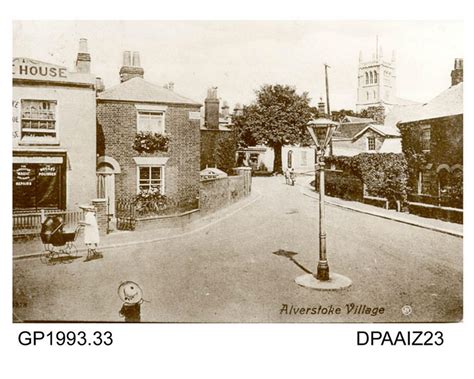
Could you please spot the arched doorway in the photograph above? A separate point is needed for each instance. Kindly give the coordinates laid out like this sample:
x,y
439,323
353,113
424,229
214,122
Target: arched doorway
x,y
107,168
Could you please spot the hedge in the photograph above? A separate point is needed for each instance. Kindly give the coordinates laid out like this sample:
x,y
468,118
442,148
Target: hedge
x,y
384,174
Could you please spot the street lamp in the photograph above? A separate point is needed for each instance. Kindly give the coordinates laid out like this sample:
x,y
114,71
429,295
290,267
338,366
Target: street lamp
x,y
321,131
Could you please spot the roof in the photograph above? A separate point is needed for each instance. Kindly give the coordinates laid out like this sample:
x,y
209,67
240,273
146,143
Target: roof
x,y
139,90
384,130
447,103
349,130
213,172
402,101
353,119
399,112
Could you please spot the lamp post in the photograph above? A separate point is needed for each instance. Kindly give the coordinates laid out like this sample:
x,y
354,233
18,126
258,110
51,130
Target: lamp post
x,y
321,131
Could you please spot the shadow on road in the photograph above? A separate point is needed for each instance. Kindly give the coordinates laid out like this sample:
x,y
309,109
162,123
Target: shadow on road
x,y
290,255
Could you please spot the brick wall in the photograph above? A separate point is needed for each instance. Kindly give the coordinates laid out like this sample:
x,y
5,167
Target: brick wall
x,y
217,193
117,123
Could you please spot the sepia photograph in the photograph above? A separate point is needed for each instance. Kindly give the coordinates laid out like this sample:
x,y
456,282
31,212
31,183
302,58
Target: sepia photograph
x,y
237,171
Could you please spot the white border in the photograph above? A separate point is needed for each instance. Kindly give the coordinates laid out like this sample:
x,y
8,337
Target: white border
x,y
233,351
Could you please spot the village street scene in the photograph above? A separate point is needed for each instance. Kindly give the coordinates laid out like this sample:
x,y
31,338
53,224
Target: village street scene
x,y
277,178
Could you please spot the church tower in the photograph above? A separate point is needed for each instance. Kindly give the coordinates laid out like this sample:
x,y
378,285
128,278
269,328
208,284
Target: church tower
x,y
376,85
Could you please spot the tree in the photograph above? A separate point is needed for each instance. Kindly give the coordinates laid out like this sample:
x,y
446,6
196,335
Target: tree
x,y
278,117
225,153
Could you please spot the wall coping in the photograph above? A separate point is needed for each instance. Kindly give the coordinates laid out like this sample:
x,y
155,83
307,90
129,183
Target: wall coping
x,y
167,216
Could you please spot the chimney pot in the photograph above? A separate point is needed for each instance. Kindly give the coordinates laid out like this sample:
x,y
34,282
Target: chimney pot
x,y
136,59
126,58
83,45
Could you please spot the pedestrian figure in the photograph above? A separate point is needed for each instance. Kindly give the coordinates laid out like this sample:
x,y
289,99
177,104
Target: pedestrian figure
x,y
132,297
91,232
287,176
292,177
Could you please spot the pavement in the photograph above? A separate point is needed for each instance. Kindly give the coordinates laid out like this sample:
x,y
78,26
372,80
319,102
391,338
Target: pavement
x,y
34,248
242,268
390,214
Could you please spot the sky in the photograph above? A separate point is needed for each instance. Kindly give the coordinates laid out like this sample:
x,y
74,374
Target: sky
x,y
239,57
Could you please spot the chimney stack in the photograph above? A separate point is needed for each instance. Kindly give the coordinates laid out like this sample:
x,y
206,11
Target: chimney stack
x,y
99,84
131,66
225,109
238,109
457,73
211,111
83,60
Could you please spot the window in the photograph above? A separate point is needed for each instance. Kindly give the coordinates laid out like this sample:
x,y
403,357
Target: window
x,y
150,177
371,77
375,76
426,138
367,95
425,182
151,122
304,158
38,119
370,143
366,78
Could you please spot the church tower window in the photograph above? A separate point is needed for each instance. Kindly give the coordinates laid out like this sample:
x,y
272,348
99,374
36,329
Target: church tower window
x,y
366,78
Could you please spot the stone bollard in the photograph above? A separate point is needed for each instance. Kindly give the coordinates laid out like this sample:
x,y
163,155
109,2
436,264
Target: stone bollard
x,y
101,214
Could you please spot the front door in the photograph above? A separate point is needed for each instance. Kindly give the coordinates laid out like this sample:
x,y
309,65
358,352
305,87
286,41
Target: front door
x,y
106,190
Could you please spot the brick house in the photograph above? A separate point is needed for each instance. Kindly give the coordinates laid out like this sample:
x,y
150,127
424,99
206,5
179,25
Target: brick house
x,y
432,140
135,106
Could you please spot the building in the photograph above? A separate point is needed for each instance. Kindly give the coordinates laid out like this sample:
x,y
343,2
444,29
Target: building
x,y
357,135
432,139
377,83
149,139
54,134
218,142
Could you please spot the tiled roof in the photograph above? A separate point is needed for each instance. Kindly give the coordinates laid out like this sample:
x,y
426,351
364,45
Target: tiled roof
x,y
354,119
385,130
139,90
349,130
447,103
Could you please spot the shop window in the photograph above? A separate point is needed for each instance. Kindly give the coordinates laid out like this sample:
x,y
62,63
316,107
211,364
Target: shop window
x,y
151,178
151,122
38,120
426,138
370,143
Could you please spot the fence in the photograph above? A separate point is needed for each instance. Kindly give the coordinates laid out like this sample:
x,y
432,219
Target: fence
x,y
25,224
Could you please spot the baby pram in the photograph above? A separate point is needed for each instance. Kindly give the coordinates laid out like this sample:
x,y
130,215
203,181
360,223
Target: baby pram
x,y
58,244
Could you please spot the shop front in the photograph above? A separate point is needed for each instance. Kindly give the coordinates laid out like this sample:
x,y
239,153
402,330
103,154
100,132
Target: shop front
x,y
39,181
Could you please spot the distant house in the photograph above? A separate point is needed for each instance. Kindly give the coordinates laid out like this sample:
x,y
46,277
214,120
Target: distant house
x,y
432,140
363,135
135,108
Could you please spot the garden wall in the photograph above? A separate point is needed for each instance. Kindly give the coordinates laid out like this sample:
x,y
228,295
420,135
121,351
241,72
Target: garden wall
x,y
220,192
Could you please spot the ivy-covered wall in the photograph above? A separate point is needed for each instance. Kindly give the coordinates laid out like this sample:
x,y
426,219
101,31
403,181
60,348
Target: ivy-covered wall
x,y
446,148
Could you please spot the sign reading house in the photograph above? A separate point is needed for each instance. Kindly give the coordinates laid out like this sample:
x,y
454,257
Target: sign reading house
x,y
25,68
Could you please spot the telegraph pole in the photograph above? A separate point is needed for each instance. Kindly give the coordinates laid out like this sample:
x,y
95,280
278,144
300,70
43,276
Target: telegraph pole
x,y
326,66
